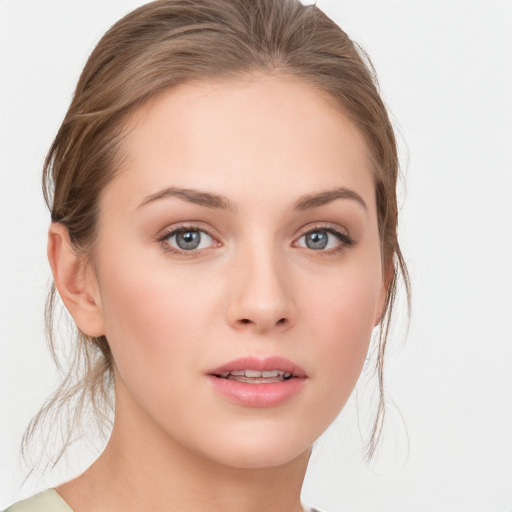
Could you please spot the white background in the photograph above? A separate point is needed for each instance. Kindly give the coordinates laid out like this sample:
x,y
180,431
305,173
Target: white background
x,y
445,69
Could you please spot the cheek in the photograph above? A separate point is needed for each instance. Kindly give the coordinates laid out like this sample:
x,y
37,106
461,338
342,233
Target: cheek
x,y
155,319
341,322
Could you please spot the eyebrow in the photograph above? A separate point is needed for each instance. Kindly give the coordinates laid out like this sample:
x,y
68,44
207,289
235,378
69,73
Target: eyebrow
x,y
210,200
310,201
193,196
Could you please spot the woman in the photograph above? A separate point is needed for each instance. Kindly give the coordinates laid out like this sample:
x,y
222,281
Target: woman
x,y
224,216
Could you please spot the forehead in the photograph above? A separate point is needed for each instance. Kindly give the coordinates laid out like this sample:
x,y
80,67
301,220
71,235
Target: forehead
x,y
253,137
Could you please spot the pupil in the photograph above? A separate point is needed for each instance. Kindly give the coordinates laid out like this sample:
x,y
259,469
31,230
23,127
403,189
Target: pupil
x,y
316,240
188,240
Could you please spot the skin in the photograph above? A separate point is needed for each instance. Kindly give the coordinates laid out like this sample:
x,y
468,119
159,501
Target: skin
x,y
255,288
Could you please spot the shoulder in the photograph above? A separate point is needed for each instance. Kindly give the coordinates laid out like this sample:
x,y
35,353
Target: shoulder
x,y
46,501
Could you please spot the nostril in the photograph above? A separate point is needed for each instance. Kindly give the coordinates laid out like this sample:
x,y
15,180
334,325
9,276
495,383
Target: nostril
x,y
247,321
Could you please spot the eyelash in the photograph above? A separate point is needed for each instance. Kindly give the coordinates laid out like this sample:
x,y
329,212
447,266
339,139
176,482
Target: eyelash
x,y
163,240
344,239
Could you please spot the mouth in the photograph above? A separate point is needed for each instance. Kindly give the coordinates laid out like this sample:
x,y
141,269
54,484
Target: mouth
x,y
254,370
258,383
256,376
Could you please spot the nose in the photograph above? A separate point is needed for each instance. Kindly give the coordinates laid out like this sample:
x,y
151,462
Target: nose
x,y
261,295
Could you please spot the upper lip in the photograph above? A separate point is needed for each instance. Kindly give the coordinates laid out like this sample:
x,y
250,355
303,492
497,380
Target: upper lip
x,y
260,364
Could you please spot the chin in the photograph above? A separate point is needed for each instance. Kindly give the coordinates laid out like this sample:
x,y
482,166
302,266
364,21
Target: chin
x,y
259,458
258,448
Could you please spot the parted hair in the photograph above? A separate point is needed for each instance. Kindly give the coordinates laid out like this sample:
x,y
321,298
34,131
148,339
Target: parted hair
x,y
159,46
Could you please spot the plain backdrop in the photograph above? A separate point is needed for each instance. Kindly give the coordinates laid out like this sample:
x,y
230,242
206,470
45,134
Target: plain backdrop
x,y
445,71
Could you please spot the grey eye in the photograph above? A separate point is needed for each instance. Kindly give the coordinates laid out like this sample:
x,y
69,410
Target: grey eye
x,y
323,239
317,239
190,239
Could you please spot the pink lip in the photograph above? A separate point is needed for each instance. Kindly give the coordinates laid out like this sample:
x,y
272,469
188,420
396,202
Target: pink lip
x,y
258,395
261,365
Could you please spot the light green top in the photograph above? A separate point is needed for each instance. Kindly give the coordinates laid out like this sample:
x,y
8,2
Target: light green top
x,y
46,501
50,501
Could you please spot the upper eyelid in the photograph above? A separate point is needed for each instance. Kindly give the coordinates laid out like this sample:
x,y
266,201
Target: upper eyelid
x,y
192,226
326,226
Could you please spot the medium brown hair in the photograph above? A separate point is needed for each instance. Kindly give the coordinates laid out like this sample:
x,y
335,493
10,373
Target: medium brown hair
x,y
167,43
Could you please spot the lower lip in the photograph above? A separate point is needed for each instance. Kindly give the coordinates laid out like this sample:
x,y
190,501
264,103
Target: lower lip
x,y
258,395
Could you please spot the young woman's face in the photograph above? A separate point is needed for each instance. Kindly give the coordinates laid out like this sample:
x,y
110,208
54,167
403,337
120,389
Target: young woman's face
x,y
240,236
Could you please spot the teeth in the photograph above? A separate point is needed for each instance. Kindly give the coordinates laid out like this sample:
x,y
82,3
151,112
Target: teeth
x,y
255,374
273,373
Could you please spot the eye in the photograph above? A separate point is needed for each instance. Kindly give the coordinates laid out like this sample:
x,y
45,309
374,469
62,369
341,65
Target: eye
x,y
324,239
188,239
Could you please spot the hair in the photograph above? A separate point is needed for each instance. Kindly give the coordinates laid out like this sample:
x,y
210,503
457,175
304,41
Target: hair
x,y
157,47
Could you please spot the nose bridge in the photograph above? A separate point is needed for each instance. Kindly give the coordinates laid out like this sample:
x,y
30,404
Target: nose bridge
x,y
262,297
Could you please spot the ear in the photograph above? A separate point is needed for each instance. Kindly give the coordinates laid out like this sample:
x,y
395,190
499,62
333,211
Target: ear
x,y
387,279
75,281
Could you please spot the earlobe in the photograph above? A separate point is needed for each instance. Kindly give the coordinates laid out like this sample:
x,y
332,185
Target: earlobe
x,y
75,281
